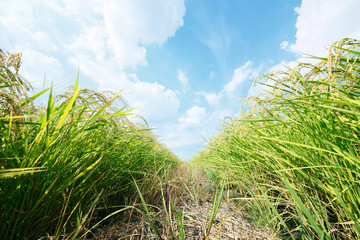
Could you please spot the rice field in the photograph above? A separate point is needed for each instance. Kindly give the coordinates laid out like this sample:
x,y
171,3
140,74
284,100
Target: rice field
x,y
293,153
290,161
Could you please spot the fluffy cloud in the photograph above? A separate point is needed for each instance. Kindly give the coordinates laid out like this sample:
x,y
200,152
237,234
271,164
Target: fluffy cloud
x,y
194,116
284,45
183,79
102,38
121,30
192,128
211,97
131,24
177,140
154,101
118,40
106,74
322,22
241,74
17,27
37,67
186,131
18,15
319,24
92,43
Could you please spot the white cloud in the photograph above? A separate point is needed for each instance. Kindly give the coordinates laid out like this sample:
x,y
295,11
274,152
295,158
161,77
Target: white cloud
x,y
132,24
154,101
284,45
37,66
19,27
212,98
82,11
319,24
177,140
121,30
241,74
186,131
106,74
16,14
194,116
92,42
183,79
192,129
118,40
105,36
322,22
102,38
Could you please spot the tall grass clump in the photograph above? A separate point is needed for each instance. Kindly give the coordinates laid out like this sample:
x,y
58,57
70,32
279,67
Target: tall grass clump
x,y
65,165
294,152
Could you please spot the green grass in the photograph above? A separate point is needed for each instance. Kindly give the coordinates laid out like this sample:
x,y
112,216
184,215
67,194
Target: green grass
x,y
293,154
65,165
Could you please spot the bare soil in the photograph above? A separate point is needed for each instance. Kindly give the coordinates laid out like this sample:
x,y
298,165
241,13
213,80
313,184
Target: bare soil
x,y
229,222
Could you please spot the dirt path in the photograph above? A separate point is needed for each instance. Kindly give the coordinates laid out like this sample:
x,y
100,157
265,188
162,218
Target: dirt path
x,y
195,205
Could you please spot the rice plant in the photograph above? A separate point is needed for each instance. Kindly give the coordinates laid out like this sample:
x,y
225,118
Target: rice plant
x,y
293,153
64,165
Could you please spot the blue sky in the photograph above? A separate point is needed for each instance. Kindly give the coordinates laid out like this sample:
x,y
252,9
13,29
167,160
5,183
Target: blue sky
x,y
185,65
